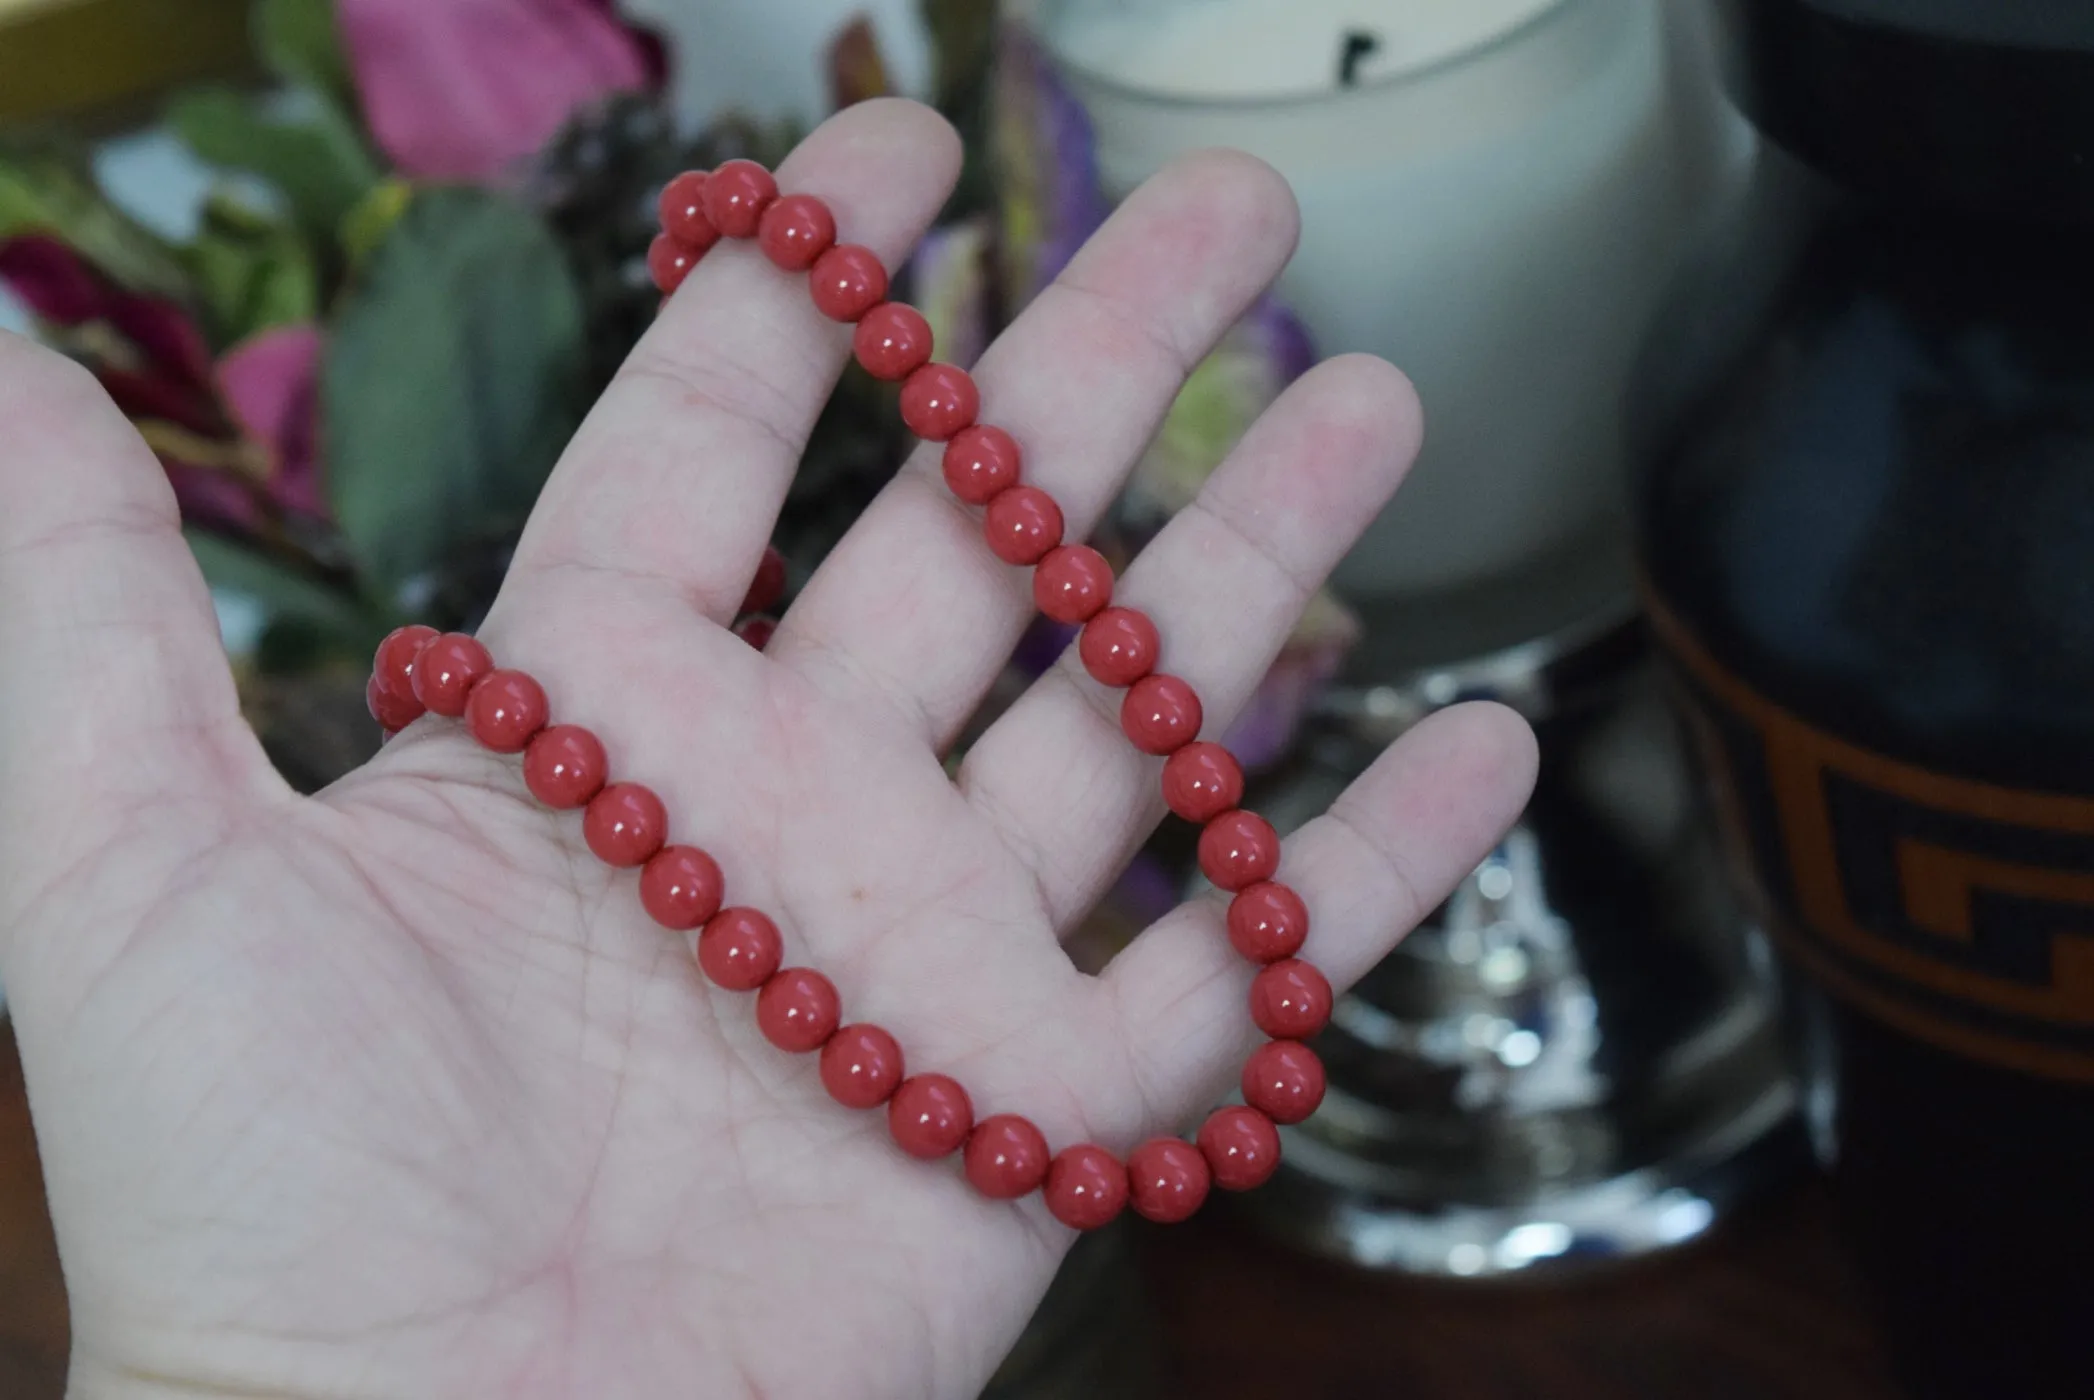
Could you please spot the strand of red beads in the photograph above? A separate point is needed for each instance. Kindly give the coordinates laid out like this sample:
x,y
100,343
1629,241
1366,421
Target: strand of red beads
x,y
740,949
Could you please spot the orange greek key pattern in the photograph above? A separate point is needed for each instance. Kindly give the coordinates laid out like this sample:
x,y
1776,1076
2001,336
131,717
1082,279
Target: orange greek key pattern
x,y
1961,912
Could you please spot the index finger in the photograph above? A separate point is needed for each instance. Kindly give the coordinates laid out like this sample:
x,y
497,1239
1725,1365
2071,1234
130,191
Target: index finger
x,y
679,471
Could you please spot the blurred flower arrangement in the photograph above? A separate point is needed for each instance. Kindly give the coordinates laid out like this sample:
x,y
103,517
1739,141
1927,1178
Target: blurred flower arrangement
x,y
428,257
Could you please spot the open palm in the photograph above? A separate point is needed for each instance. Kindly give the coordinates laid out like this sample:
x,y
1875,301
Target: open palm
x,y
396,1091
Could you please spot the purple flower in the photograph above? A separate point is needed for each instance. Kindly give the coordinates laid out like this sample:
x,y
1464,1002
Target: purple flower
x,y
1044,149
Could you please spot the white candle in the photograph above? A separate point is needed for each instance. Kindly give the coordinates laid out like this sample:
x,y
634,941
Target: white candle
x,y
1495,205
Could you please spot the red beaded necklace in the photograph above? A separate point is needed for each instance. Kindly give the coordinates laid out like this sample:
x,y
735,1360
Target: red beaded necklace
x,y
739,949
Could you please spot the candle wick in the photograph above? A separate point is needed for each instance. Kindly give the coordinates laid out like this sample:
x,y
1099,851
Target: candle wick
x,y
1359,43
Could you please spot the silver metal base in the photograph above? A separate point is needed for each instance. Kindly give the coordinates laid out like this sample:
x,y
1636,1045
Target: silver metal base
x,y
1576,1056
1336,1205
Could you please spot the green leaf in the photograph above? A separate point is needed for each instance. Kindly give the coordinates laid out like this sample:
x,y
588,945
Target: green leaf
x,y
373,218
44,189
252,272
286,595
452,381
319,163
299,42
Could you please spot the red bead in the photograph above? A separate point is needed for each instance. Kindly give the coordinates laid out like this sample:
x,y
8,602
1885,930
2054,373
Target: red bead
x,y
1119,646
757,631
1161,714
625,824
939,401
1290,1000
1006,1157
394,663
1201,781
681,210
565,766
394,712
680,888
769,584
1238,849
1022,524
669,262
740,949
504,710
861,1065
981,462
1072,583
795,231
1267,922
1167,1179
847,281
1241,1146
447,670
797,1010
1086,1187
930,1115
1283,1080
736,195
892,341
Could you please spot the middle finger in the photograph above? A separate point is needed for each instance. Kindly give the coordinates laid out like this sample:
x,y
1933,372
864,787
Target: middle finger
x,y
912,611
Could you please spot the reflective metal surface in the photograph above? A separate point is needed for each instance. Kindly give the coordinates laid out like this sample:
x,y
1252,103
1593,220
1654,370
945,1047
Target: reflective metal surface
x,y
1578,1055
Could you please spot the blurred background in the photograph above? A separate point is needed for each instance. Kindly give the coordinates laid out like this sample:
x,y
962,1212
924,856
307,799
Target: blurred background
x,y
1754,341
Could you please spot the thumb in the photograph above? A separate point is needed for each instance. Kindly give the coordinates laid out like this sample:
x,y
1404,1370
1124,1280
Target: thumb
x,y
114,689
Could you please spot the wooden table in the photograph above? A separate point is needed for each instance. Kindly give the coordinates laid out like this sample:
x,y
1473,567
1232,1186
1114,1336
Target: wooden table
x,y
1767,1310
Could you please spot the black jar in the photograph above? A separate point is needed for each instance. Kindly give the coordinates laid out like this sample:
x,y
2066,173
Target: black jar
x,y
1868,547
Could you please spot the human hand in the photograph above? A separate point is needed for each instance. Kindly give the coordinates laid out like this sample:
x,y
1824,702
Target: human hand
x,y
396,1091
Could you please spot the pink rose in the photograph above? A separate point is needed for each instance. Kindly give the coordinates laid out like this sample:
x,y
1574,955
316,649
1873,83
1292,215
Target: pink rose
x,y
462,89
271,383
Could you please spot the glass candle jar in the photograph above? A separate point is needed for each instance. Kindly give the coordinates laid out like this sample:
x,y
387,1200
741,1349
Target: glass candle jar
x,y
1493,194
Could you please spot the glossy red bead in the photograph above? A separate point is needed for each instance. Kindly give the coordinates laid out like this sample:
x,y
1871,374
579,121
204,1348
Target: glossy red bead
x,y
1267,922
757,631
980,463
565,766
1161,714
1022,524
736,195
847,281
938,401
1201,781
680,888
798,1009
1072,583
769,584
669,262
930,1116
1290,1000
1238,849
1167,1180
394,663
1119,646
394,712
447,670
1006,1157
625,824
1283,1080
892,341
681,210
505,709
861,1066
740,949
795,231
1086,1187
1241,1146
